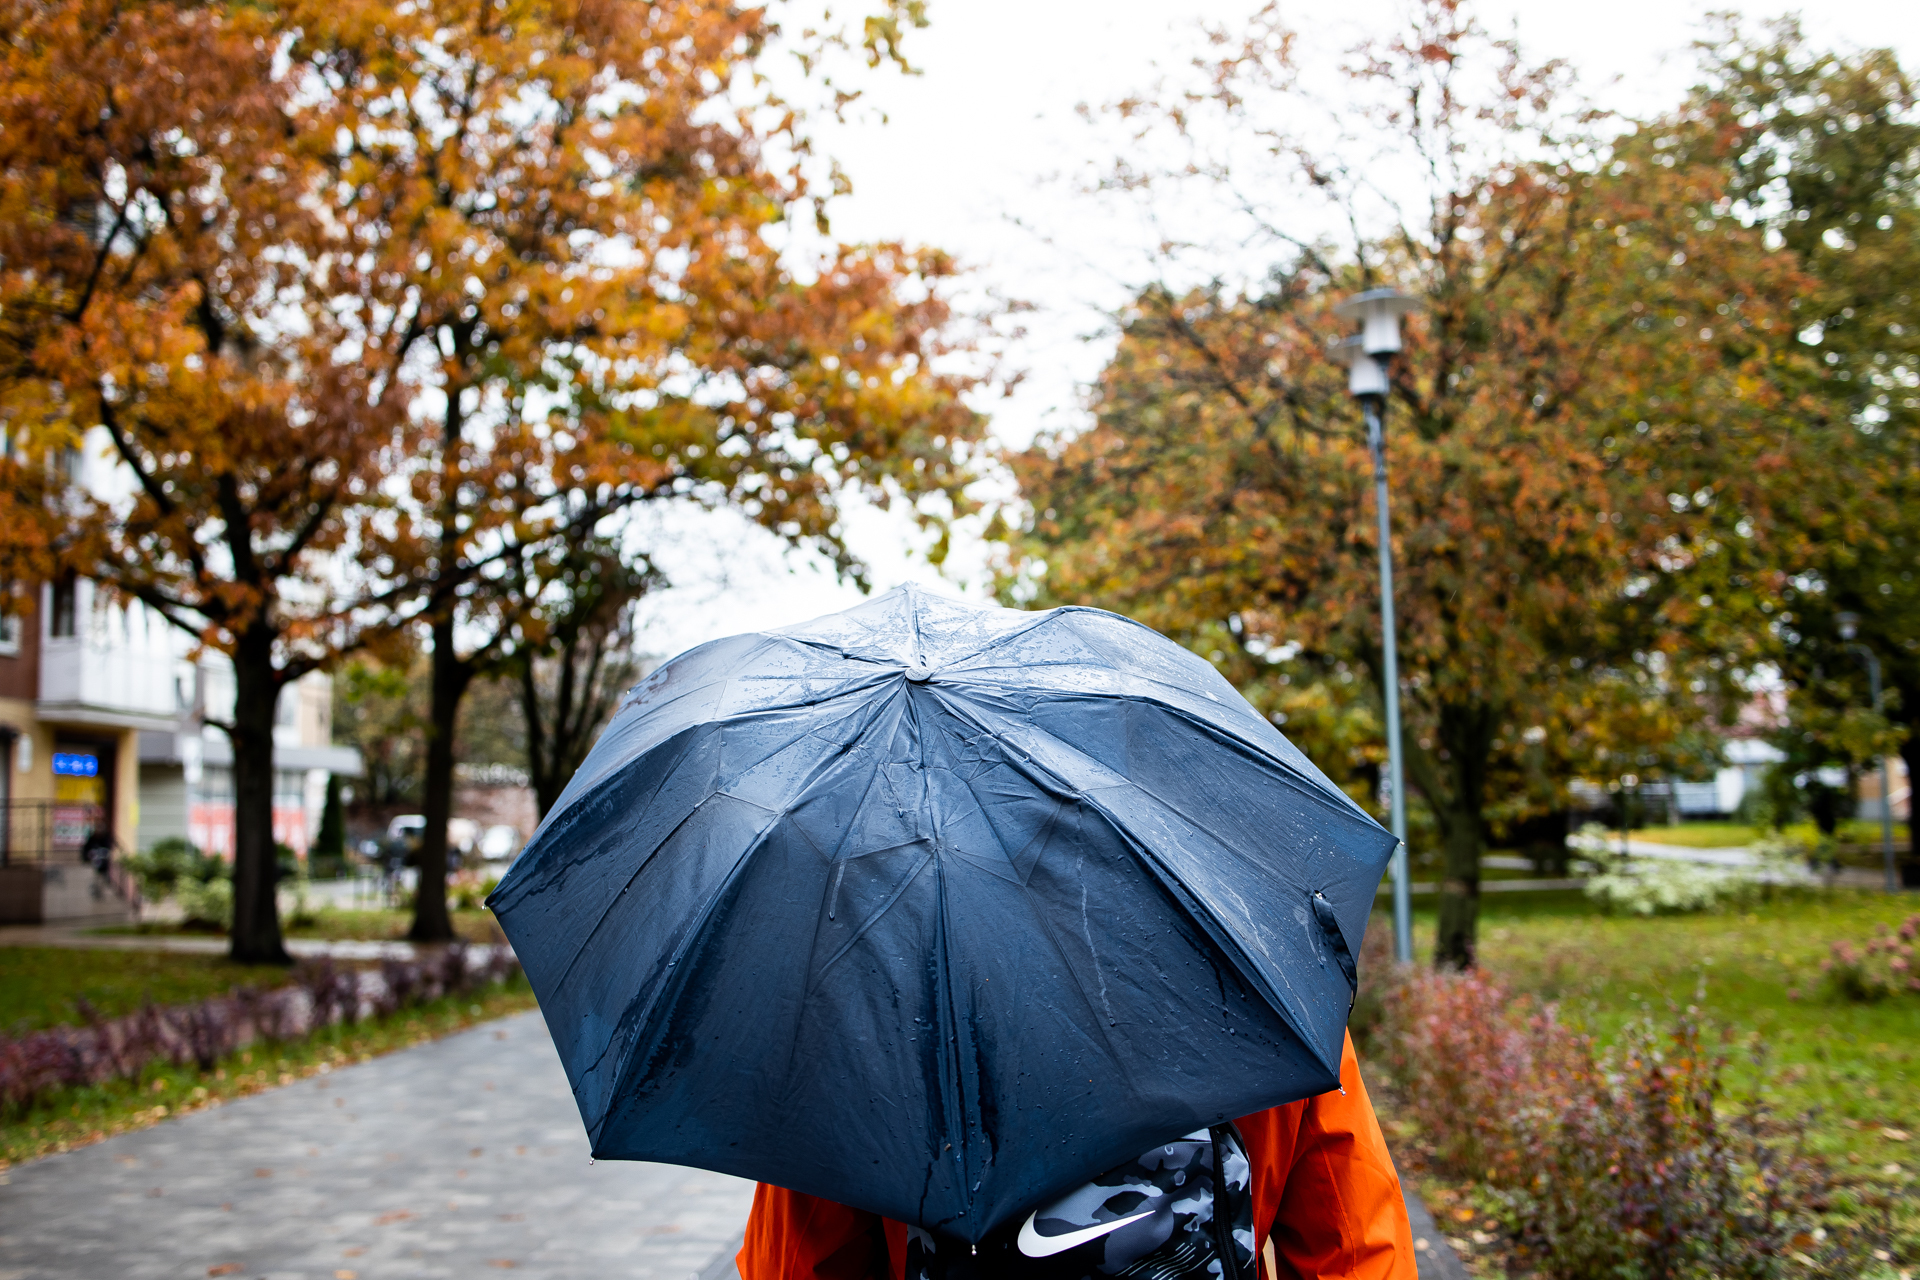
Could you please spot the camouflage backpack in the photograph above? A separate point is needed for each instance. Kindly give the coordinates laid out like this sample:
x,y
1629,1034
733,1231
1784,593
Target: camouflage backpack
x,y
1182,1211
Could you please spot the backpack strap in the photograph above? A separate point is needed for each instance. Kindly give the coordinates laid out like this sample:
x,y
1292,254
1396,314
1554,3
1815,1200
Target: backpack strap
x,y
1223,1243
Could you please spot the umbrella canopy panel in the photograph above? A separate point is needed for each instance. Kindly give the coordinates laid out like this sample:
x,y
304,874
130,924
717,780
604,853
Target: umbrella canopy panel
x,y
938,911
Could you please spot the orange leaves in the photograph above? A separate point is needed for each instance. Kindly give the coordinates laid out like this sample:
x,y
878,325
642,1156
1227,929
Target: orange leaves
x,y
1594,339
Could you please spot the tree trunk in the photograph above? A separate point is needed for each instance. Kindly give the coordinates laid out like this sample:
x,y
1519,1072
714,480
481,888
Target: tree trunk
x,y
1455,945
255,936
450,677
1466,734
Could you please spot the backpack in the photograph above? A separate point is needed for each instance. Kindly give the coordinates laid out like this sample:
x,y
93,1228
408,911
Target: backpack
x,y
1168,1214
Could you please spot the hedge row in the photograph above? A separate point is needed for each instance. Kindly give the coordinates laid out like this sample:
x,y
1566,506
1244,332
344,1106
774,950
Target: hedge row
x,y
318,994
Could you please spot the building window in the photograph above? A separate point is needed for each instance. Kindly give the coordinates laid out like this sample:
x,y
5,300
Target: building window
x,y
9,635
65,619
289,788
216,785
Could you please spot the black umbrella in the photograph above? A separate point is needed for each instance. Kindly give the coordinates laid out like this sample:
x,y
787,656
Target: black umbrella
x,y
938,910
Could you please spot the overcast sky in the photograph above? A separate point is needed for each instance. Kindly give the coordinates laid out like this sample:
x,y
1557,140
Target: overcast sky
x,y
969,159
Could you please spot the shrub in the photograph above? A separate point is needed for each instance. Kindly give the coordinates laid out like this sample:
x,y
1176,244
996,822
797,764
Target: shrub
x,y
206,905
1669,886
304,911
1883,966
1628,1162
1662,887
170,863
469,890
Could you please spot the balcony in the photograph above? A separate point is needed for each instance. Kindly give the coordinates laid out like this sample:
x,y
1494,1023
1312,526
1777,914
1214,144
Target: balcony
x,y
109,685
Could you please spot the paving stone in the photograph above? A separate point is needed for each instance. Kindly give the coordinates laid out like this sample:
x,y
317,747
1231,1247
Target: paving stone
x,y
464,1157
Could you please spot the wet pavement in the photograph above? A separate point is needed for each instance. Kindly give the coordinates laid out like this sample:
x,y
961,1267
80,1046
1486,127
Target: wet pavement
x,y
464,1157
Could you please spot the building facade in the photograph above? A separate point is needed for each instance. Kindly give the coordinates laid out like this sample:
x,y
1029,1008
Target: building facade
x,y
186,772
80,680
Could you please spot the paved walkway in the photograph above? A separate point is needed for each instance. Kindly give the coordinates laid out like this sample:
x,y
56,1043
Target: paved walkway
x,y
464,1157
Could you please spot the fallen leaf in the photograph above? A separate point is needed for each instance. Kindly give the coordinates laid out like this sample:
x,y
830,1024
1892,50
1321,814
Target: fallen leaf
x,y
1464,1215
225,1269
346,1275
398,1215
263,1173
1895,1135
505,1264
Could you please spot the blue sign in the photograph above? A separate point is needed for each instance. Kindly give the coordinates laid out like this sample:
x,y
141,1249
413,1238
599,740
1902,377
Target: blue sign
x,y
72,764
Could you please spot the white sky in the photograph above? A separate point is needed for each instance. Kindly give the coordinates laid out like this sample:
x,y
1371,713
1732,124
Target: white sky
x,y
967,159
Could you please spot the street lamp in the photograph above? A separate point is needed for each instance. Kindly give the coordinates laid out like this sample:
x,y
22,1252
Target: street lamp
x,y
1849,628
1366,355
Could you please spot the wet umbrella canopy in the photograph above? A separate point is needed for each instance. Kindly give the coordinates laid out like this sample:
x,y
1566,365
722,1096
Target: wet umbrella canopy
x,y
938,910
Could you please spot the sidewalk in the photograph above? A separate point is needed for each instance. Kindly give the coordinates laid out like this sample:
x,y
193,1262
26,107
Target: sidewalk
x,y
458,1158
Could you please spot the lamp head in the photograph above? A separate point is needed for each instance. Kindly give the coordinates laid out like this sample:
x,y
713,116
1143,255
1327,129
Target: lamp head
x,y
1366,375
1379,312
1849,625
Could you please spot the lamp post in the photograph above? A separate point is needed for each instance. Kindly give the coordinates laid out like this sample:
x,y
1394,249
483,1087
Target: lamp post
x,y
1366,354
1849,628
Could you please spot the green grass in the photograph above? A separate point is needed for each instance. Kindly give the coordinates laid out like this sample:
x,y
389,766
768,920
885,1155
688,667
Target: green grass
x,y
339,924
75,1117
41,986
1856,1066
1726,835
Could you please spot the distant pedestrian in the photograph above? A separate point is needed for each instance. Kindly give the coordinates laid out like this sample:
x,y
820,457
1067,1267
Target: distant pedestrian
x,y
97,851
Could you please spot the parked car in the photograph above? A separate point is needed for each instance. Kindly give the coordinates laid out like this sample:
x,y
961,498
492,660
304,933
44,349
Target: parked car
x,y
402,845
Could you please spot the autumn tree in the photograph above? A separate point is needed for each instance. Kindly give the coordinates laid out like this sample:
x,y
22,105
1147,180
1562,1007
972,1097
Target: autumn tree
x,y
614,285
172,296
1574,426
1823,151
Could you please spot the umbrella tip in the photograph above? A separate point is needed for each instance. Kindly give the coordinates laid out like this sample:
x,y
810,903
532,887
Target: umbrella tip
x,y
919,672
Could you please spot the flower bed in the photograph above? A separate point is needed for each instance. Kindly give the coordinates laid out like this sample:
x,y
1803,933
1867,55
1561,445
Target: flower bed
x,y
319,994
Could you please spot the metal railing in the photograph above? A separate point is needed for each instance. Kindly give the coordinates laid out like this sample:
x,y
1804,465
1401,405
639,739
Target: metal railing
x,y
43,833
39,832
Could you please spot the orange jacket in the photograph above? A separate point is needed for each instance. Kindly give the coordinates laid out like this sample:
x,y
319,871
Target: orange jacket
x,y
1325,1196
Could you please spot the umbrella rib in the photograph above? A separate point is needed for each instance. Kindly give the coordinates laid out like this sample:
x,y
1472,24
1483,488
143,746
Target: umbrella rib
x,y
906,882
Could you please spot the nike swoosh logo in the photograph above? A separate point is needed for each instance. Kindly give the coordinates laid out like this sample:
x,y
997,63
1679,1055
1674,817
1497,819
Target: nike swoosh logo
x,y
1035,1245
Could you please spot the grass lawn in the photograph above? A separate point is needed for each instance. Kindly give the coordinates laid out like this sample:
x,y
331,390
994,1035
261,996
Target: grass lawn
x,y
1726,835
1857,1066
40,986
75,1117
339,924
